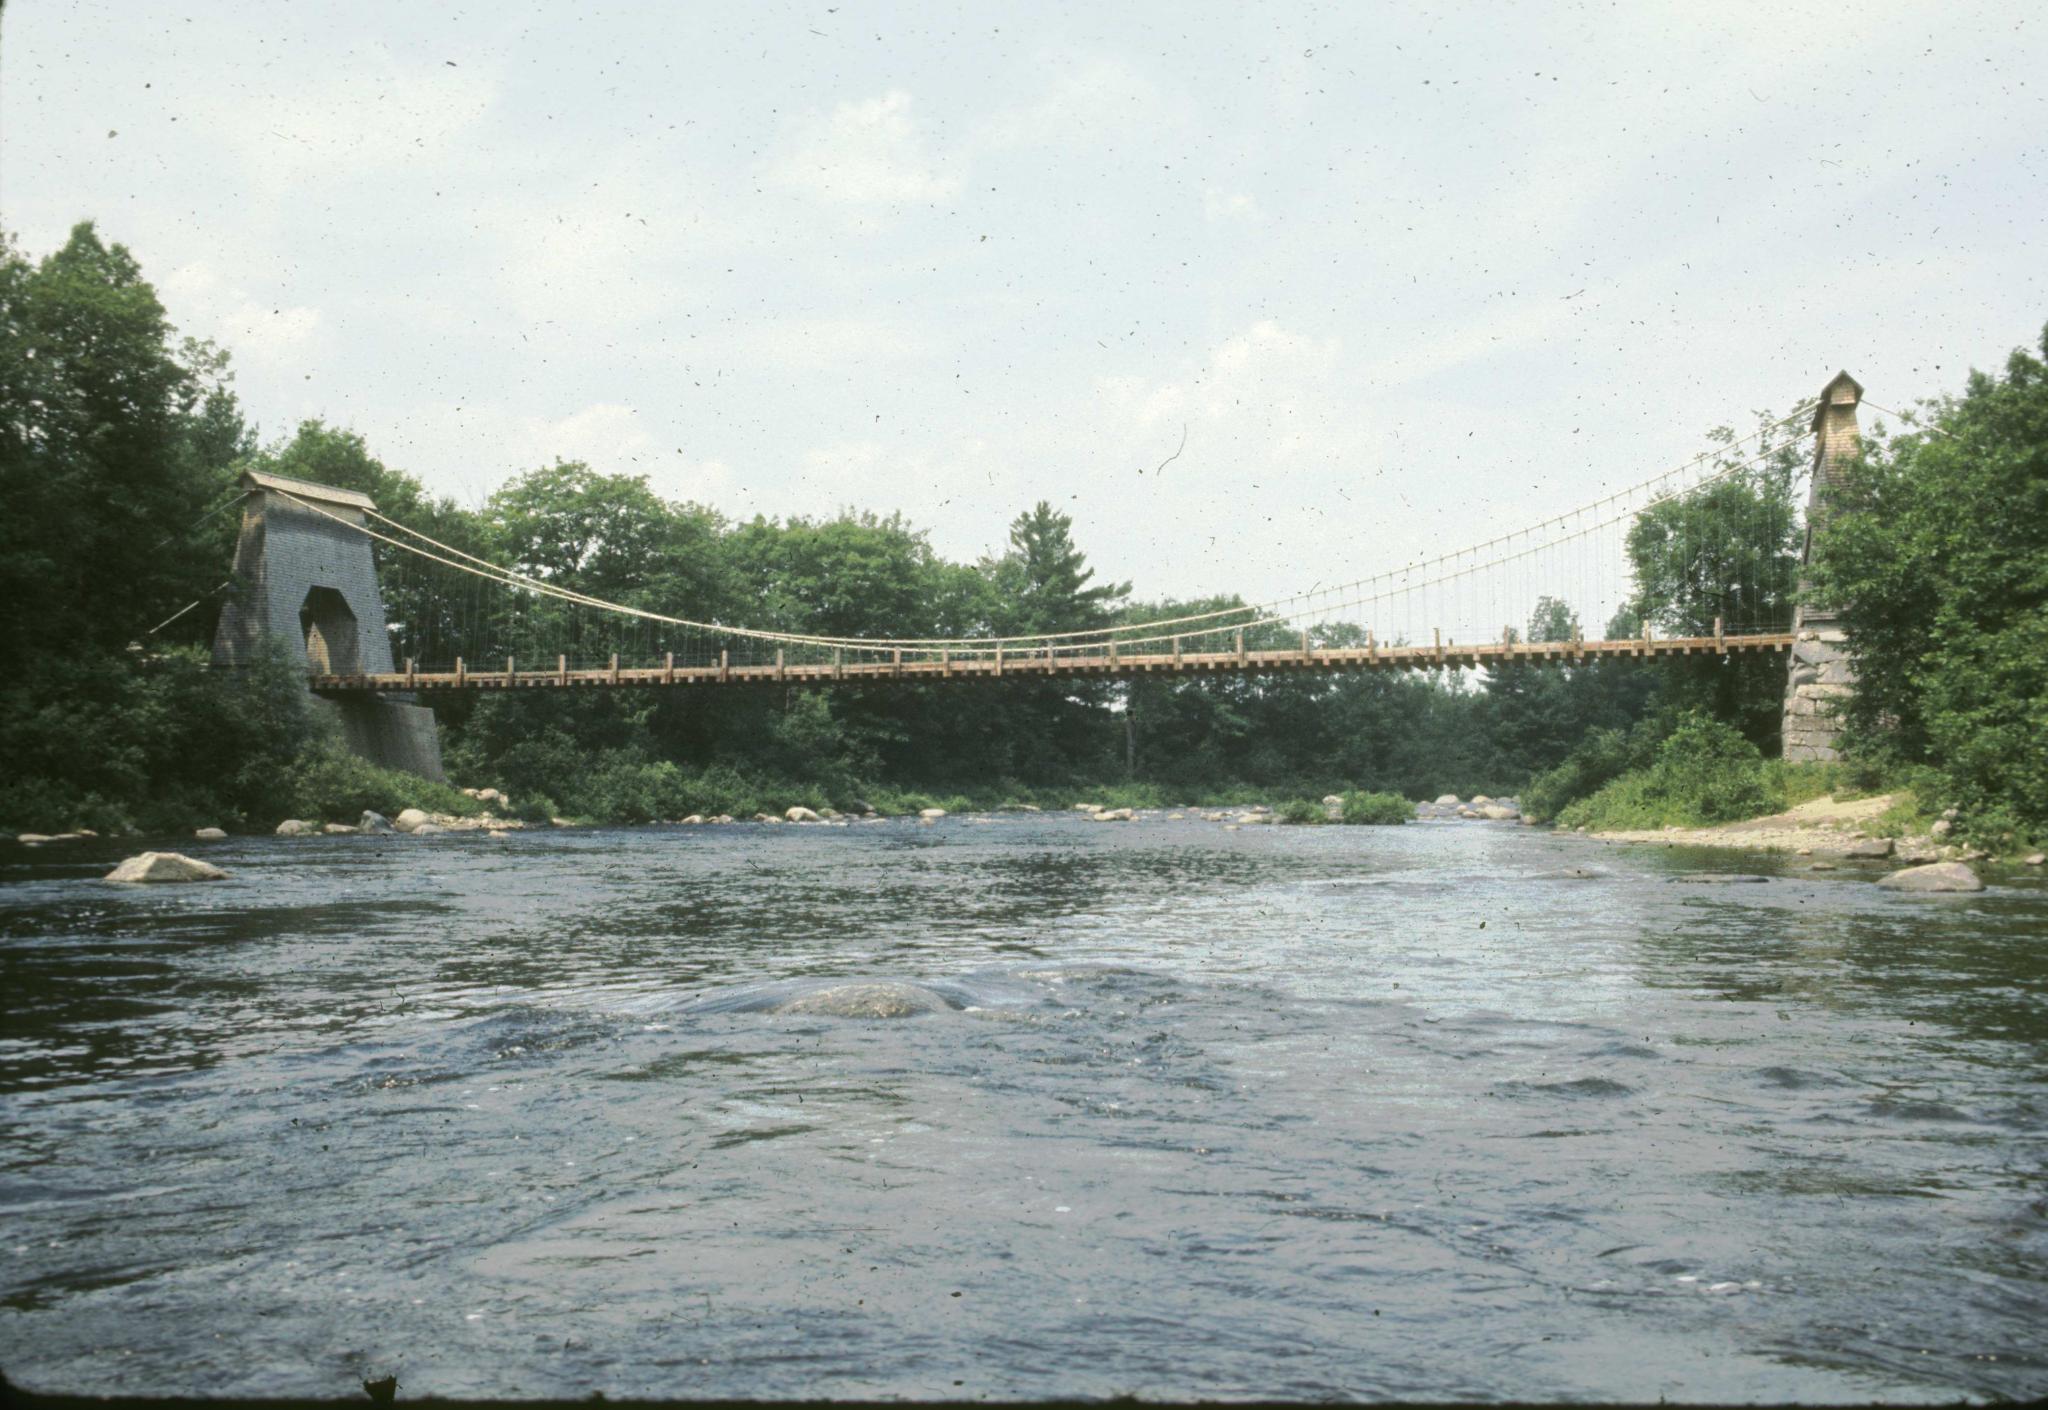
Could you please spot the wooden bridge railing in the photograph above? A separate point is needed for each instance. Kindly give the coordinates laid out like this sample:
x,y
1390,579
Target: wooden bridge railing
x,y
1104,662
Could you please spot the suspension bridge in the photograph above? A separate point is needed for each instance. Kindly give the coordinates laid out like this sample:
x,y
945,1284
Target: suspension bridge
x,y
384,613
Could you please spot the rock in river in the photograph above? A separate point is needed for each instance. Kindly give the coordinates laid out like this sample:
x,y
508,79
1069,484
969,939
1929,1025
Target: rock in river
x,y
210,834
1940,876
373,822
411,820
880,999
296,827
164,866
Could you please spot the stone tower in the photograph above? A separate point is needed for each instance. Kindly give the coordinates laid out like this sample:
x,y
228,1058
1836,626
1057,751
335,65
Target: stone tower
x,y
1822,672
304,577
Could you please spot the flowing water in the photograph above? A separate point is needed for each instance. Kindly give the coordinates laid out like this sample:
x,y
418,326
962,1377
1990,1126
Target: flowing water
x,y
1154,1107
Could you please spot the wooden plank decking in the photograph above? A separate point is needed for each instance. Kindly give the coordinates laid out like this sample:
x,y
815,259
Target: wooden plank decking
x,y
1100,665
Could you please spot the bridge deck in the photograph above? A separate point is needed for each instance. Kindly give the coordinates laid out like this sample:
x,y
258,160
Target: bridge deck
x,y
1104,664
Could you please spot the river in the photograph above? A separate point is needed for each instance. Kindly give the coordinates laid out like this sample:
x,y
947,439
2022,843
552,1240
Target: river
x,y
1283,1112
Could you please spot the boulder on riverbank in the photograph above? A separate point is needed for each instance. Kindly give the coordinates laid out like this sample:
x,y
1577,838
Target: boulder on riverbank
x,y
296,827
411,820
372,821
164,866
931,814
802,815
1934,878
1869,847
210,834
1115,815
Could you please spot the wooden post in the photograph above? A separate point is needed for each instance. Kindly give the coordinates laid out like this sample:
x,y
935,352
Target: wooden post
x,y
781,670
1438,633
1644,650
1372,647
460,674
896,663
615,668
1306,654
668,668
562,670
1176,653
1720,637
1112,652
999,661
511,674
724,666
1241,659
945,662
838,665
411,673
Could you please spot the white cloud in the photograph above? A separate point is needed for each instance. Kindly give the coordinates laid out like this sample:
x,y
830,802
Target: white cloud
x,y
385,115
607,435
262,337
1230,205
1089,100
813,344
865,153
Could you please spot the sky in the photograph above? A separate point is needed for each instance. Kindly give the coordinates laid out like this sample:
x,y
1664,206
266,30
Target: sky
x,y
1257,294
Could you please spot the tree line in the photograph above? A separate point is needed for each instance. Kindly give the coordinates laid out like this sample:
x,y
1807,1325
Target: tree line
x,y
120,451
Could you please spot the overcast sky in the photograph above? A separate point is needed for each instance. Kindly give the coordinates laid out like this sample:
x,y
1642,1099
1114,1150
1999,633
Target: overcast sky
x,y
1386,277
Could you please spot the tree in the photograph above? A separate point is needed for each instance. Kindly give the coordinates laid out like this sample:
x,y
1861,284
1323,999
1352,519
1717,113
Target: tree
x,y
1936,557
1729,552
103,468
1552,619
1044,581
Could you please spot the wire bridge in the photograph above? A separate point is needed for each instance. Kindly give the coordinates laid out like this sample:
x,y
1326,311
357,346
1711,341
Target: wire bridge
x,y
1716,530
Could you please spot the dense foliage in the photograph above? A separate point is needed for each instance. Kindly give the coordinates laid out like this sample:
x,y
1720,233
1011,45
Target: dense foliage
x,y
119,451
1936,556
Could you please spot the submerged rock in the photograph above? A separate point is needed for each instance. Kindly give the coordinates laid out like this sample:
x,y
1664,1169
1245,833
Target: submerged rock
x,y
877,999
164,866
1937,876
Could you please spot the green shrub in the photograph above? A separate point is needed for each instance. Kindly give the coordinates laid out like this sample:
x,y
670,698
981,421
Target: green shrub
x,y
1705,773
1301,812
1605,755
329,782
1376,809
